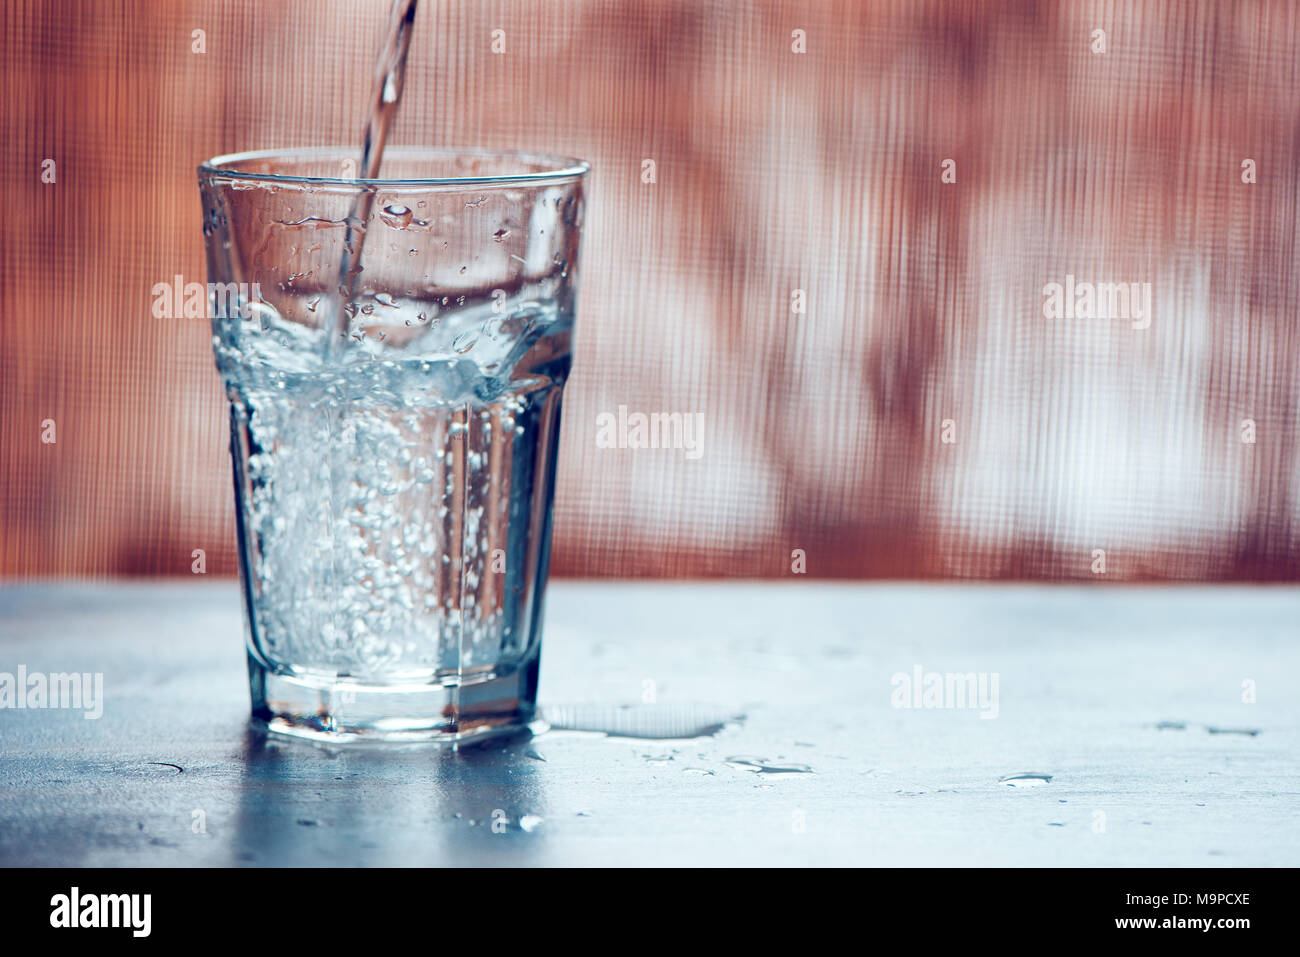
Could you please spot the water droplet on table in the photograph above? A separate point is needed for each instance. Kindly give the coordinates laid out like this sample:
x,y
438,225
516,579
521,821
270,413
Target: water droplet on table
x,y
744,762
1026,779
660,721
1251,732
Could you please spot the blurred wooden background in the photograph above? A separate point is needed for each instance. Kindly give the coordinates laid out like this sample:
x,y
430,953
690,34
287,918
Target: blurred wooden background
x,y
776,171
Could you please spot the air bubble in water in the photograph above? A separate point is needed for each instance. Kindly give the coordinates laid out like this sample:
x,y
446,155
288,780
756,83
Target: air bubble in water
x,y
359,480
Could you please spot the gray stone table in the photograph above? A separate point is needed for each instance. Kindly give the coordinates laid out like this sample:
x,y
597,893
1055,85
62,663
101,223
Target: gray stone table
x,y
1136,701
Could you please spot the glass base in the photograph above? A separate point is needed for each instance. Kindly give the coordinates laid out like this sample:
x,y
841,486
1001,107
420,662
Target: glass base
x,y
342,710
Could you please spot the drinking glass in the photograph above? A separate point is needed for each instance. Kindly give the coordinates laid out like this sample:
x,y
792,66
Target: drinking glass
x,y
394,353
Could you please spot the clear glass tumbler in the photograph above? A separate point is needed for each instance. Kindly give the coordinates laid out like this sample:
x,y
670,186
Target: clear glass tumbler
x,y
394,352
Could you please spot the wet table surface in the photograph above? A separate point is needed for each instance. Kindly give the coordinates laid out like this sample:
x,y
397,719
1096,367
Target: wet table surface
x,y
1167,719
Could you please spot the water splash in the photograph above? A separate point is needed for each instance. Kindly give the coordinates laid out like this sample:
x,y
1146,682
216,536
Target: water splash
x,y
390,78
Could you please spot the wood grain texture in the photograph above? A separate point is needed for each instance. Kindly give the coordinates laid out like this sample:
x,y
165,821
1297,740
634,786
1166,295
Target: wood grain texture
x,y
776,171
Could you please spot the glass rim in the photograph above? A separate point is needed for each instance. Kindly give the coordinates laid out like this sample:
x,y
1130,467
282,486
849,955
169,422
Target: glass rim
x,y
557,169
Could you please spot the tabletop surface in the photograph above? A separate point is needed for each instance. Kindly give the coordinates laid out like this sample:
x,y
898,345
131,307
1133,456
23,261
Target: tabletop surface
x,y
1160,726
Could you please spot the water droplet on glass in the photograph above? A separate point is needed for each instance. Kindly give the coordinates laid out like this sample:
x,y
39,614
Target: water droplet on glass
x,y
465,341
396,215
